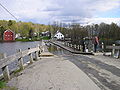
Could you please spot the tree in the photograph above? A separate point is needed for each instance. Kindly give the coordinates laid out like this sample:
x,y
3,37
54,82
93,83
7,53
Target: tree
x,y
10,23
114,31
24,29
31,33
2,29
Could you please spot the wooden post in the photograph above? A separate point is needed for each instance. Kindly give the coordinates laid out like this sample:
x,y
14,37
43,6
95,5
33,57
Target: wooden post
x,y
31,57
65,43
39,52
74,46
68,44
5,71
118,52
20,60
36,55
43,44
43,49
78,47
102,47
113,51
85,48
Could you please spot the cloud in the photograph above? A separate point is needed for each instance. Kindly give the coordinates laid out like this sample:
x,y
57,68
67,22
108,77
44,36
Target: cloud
x,y
104,5
105,20
44,11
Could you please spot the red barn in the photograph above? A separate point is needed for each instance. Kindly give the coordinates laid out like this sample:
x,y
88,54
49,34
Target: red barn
x,y
9,35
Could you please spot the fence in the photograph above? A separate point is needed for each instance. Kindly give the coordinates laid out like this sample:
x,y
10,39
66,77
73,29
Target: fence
x,y
87,48
115,50
18,56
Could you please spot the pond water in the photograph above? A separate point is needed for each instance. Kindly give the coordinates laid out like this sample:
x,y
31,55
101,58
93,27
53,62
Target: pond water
x,y
58,51
11,47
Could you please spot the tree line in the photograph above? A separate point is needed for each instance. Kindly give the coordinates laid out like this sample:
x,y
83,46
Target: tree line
x,y
76,32
25,29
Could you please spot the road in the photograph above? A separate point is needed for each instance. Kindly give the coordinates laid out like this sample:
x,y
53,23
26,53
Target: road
x,y
104,71
52,73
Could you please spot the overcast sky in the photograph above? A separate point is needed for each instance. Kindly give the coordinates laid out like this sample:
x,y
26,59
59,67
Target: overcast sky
x,y
47,11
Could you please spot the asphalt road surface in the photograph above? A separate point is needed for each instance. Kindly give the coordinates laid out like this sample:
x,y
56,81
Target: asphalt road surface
x,y
104,71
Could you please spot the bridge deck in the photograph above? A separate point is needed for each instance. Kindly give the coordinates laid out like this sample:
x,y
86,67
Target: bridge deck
x,y
71,50
53,74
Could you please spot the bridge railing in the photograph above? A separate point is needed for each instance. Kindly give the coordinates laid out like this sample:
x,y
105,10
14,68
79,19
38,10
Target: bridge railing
x,y
6,60
115,50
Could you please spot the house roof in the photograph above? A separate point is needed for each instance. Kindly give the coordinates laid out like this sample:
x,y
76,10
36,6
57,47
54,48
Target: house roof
x,y
8,31
58,32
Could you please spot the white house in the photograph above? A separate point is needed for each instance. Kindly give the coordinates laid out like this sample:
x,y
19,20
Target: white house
x,y
18,36
59,35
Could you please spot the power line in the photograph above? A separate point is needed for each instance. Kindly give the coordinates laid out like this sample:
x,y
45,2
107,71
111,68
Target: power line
x,y
8,11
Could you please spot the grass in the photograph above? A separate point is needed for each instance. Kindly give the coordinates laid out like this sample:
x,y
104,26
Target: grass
x,y
17,71
9,88
23,40
45,38
2,84
33,39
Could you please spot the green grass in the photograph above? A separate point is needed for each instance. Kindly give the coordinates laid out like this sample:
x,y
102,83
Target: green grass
x,y
11,88
2,84
17,71
33,39
27,40
23,40
45,38
8,88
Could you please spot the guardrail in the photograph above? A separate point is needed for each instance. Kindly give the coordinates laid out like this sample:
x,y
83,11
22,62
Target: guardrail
x,y
115,50
87,47
18,56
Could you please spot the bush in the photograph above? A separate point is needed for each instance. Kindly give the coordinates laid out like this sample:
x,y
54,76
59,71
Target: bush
x,y
45,38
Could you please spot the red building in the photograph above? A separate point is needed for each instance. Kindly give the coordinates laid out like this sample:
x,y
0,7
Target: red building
x,y
9,35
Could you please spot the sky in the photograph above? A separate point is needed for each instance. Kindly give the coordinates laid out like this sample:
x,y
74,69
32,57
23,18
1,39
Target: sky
x,y
65,11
